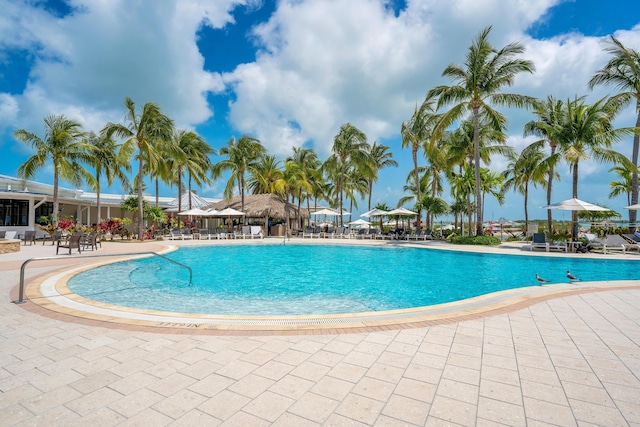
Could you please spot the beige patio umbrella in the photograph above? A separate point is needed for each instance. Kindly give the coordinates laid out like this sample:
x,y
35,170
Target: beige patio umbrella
x,y
575,205
402,212
229,212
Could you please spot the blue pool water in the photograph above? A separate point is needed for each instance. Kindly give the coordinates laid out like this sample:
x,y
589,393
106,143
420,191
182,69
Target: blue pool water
x,y
319,279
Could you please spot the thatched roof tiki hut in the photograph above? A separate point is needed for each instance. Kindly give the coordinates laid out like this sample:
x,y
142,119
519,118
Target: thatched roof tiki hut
x,y
263,206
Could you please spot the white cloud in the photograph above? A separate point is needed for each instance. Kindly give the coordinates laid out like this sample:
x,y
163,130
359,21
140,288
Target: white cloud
x,y
87,62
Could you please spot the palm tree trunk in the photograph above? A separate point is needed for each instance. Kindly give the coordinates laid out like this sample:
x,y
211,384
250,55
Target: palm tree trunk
x,y
633,214
179,190
549,188
157,191
476,160
140,205
370,191
574,214
56,203
526,210
189,185
98,197
414,155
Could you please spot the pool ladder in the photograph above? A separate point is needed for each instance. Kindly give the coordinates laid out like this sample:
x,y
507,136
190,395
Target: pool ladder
x,y
24,265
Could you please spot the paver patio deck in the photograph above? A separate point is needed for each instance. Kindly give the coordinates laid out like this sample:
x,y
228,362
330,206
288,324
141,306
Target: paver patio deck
x,y
573,360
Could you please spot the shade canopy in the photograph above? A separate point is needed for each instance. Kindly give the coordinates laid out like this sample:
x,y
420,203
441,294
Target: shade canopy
x,y
402,212
262,205
327,212
635,207
194,212
360,222
374,212
196,201
575,205
229,212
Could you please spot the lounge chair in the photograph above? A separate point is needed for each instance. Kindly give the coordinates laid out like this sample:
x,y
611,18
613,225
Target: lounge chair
x,y
632,238
203,234
615,242
256,232
29,236
74,242
176,235
362,232
10,234
3,233
540,241
420,235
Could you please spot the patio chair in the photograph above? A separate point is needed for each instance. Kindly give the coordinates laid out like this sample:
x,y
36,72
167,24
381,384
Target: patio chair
x,y
3,233
362,232
175,235
204,233
615,242
246,231
539,241
29,236
74,242
90,241
256,232
420,235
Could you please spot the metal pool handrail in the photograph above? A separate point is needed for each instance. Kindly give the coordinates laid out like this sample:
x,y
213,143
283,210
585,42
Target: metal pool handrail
x,y
24,265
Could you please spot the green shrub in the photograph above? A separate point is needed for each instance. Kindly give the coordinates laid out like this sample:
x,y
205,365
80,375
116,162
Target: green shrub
x,y
475,240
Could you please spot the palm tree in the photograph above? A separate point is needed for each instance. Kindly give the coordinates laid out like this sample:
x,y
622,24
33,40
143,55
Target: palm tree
x,y
192,156
415,132
309,163
434,206
292,180
264,175
522,170
64,146
623,72
479,83
242,155
105,161
547,126
349,145
144,131
623,186
587,132
380,157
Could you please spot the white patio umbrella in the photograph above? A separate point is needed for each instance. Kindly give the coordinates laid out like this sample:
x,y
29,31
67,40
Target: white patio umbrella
x,y
229,212
360,223
402,212
374,212
575,205
194,212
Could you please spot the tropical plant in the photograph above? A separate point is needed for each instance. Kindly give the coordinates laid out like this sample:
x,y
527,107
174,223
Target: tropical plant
x,y
105,161
349,146
264,175
548,124
242,155
623,186
587,132
623,72
379,158
434,206
144,131
522,170
191,156
479,82
63,145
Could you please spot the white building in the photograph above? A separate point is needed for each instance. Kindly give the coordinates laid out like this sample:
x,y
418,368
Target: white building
x,y
23,202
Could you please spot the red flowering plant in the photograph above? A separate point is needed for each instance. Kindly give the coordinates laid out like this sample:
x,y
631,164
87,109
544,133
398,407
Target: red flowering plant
x,y
65,224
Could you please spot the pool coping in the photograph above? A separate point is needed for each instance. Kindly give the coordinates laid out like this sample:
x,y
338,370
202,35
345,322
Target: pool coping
x,y
49,296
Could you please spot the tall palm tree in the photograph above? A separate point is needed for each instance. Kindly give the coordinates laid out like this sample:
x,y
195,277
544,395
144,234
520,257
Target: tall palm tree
x,y
309,163
105,161
64,147
587,132
416,132
380,158
479,82
623,72
144,131
522,170
192,157
293,178
349,145
242,155
548,124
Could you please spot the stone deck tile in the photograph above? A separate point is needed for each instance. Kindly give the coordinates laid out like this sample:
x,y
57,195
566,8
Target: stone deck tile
x,y
568,361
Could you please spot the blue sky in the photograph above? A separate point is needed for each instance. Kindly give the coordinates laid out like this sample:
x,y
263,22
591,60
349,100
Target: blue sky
x,y
291,72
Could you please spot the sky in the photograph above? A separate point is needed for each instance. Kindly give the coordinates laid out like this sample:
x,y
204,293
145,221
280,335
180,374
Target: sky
x,y
291,72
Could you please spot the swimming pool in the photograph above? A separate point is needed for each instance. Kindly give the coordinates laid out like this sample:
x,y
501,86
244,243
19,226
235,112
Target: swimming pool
x,y
323,279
